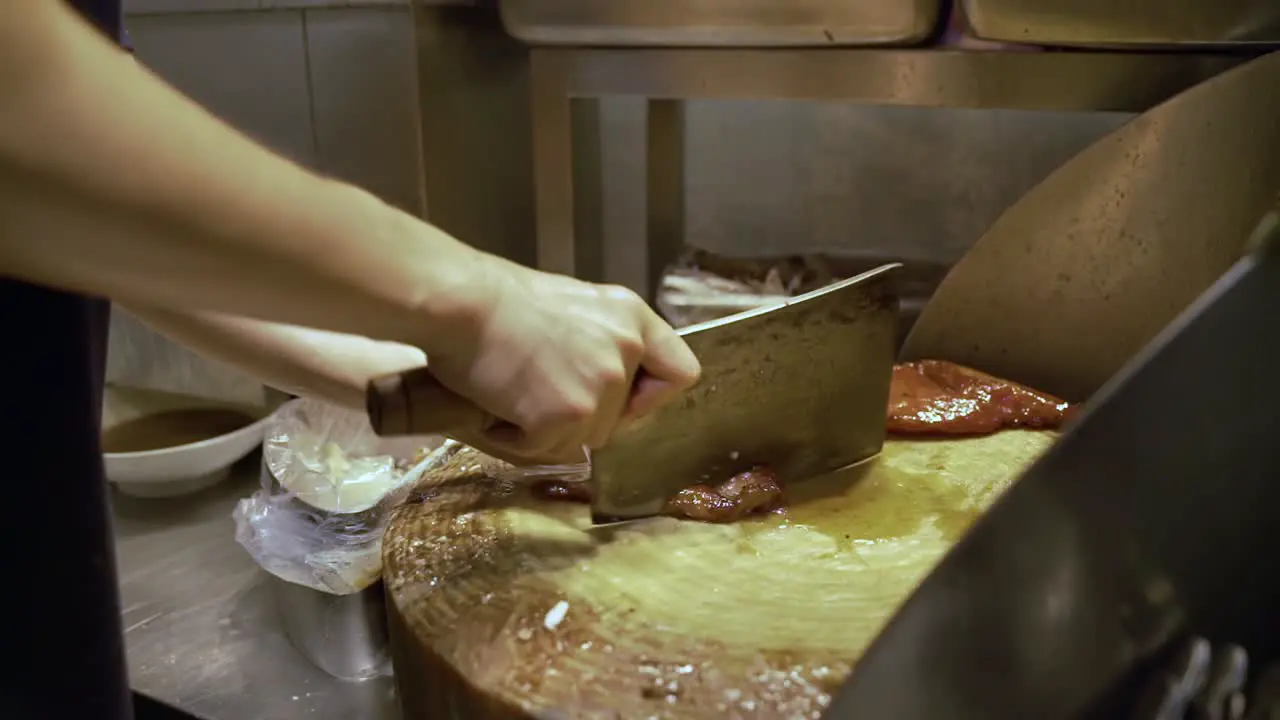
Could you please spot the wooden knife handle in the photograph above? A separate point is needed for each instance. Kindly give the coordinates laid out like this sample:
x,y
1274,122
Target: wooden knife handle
x,y
414,402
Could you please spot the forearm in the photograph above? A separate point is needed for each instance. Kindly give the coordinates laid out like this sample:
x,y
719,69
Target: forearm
x,y
302,361
113,184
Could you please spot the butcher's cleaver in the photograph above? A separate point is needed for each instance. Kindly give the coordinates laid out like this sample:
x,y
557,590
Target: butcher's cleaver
x,y
800,387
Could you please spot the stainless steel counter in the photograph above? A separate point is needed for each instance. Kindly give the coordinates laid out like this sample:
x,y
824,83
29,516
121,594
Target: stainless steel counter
x,y
201,622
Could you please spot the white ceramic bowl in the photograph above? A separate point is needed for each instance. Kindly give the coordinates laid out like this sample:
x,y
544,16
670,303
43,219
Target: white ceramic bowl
x,y
178,470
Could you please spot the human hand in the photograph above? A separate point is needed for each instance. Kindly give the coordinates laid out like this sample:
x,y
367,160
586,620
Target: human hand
x,y
562,362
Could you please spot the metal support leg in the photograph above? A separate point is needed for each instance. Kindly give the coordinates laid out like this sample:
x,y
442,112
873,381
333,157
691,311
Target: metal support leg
x,y
665,172
552,164
588,189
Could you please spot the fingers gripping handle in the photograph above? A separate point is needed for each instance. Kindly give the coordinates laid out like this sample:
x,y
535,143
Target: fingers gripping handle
x,y
415,403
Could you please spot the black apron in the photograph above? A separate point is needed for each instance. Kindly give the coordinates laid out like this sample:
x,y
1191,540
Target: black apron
x,y
60,635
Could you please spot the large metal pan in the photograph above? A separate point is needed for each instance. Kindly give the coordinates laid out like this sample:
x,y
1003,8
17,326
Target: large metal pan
x,y
1152,516
721,23
1090,264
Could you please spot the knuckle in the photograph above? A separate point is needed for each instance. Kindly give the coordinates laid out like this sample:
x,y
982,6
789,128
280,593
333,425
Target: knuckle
x,y
557,417
630,343
622,294
690,377
613,374
531,446
539,424
528,419
576,410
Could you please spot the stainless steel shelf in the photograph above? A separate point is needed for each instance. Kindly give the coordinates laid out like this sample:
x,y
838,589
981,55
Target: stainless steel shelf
x,y
1134,23
722,23
1048,80
565,77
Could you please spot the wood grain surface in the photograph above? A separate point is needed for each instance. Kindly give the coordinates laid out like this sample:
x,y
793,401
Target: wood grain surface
x,y
503,606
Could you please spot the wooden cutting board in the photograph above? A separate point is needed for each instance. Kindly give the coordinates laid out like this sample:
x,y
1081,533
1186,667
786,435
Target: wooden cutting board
x,y
504,606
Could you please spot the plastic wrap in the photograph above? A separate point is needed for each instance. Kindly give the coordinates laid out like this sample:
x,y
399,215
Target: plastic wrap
x,y
452,459
329,485
702,286
695,290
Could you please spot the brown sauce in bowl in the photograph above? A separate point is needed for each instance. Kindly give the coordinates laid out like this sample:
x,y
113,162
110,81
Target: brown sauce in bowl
x,y
173,428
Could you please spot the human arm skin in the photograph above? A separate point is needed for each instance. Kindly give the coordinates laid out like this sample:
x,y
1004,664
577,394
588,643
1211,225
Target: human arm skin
x,y
302,361
113,184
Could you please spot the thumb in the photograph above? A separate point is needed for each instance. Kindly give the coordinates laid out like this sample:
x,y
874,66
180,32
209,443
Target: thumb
x,y
667,356
647,394
667,368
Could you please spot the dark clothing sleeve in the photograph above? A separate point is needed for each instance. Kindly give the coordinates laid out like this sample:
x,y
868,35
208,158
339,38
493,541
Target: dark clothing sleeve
x,y
106,15
61,639
62,644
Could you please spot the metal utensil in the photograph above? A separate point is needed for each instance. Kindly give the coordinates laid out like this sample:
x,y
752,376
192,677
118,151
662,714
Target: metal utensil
x,y
721,23
1153,514
343,635
1088,266
800,387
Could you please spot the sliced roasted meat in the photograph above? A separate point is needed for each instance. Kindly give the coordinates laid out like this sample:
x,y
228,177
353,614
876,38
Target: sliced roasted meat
x,y
935,396
747,493
751,492
926,397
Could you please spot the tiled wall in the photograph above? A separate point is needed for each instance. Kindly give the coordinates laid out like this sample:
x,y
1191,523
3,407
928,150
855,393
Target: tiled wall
x,y
916,183
333,87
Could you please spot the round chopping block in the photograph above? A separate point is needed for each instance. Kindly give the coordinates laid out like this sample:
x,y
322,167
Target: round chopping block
x,y
505,606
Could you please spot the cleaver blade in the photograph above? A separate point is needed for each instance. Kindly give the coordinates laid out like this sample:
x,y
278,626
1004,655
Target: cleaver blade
x,y
800,387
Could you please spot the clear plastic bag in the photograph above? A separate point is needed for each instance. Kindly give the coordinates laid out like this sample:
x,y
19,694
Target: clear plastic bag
x,y
453,459
329,485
